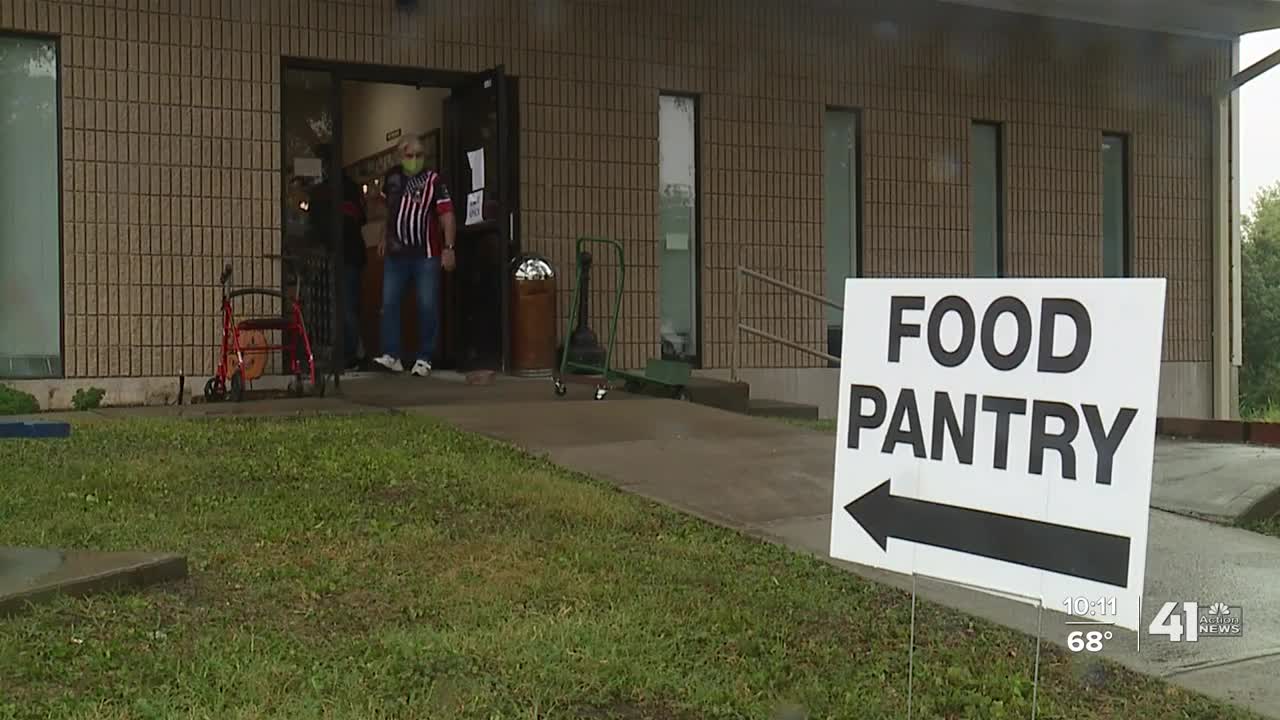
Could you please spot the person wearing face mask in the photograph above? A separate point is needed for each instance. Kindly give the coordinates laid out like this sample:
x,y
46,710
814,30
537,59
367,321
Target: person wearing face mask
x,y
417,245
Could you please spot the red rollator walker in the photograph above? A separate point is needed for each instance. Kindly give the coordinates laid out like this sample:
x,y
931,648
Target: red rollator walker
x,y
245,349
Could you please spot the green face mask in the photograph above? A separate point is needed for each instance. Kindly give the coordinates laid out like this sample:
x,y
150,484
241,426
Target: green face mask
x,y
412,167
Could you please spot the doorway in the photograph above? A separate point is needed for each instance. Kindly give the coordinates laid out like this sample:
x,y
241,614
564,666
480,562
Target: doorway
x,y
354,117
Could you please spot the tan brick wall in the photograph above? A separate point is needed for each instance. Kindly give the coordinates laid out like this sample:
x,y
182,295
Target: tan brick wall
x,y
171,131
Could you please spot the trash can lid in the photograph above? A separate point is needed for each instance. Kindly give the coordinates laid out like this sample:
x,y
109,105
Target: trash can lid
x,y
533,267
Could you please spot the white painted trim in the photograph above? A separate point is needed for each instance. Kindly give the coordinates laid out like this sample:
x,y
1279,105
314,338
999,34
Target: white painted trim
x,y
1015,6
1221,238
1242,76
1237,338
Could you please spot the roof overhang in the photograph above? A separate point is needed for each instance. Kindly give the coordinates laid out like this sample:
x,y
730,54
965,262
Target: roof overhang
x,y
1211,18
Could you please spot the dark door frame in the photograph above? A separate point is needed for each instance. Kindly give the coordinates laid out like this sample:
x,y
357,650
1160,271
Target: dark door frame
x,y
508,180
342,72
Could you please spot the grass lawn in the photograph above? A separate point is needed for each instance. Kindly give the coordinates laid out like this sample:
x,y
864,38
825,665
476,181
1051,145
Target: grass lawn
x,y
379,566
1266,527
826,426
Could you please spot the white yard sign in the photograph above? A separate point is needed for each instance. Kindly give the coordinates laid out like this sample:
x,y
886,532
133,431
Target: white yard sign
x,y
1000,434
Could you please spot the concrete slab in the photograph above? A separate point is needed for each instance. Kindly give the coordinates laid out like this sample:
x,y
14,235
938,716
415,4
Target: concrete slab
x,y
448,388
763,407
1250,683
570,424
1216,481
768,483
1193,560
30,575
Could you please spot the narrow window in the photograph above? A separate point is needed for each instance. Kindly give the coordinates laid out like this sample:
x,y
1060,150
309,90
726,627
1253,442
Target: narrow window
x,y
988,201
841,213
30,213
678,227
1115,206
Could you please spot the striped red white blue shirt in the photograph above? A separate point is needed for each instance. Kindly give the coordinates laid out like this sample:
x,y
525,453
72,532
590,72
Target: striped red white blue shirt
x,y
414,207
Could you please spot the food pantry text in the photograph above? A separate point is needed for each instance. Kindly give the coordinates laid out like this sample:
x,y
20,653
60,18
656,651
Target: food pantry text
x,y
869,408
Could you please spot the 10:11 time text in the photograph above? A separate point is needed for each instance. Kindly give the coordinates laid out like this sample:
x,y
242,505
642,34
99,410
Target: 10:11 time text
x,y
1090,607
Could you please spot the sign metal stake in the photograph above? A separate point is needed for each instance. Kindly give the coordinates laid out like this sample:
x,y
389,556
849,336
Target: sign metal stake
x,y
1035,679
911,648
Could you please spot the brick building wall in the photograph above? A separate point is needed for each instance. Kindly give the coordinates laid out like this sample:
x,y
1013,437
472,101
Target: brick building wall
x,y
171,122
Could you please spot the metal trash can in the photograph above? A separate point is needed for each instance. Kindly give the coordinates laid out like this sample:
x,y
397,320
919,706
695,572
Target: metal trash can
x,y
533,317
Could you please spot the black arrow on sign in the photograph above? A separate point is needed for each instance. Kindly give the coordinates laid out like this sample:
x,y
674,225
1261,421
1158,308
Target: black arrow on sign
x,y
1085,554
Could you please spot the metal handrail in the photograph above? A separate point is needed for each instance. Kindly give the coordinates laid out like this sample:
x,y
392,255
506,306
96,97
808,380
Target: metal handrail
x,y
741,327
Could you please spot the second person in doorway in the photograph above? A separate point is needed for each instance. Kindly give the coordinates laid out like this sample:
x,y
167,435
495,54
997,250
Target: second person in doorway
x,y
417,245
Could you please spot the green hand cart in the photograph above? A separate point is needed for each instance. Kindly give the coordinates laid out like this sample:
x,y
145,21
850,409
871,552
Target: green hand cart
x,y
661,377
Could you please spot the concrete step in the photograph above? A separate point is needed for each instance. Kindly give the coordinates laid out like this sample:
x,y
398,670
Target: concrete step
x,y
765,407
731,396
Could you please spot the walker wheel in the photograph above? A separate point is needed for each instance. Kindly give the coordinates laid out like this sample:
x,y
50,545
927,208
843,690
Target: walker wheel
x,y
214,390
237,386
561,390
298,386
601,393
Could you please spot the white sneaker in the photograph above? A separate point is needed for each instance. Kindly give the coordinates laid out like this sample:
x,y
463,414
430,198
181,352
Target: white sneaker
x,y
390,363
422,368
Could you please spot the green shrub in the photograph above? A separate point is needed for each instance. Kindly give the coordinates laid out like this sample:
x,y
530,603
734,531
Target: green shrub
x,y
1260,307
88,398
16,402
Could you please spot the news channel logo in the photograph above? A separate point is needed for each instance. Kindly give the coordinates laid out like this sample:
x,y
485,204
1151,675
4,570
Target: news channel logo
x,y
1192,621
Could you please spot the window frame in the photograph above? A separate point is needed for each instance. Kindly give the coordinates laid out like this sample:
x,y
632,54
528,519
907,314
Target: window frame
x,y
1126,203
60,165
999,249
859,199
696,356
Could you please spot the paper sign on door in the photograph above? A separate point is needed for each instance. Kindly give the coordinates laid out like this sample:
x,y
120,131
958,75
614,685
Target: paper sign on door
x,y
475,207
476,159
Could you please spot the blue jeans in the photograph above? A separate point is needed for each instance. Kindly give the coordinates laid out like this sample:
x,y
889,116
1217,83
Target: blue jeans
x,y
351,312
397,272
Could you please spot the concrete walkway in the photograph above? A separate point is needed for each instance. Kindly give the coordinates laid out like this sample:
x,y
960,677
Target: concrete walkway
x,y
1222,482
773,481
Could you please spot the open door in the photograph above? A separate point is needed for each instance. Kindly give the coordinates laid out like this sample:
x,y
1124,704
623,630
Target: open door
x,y
479,150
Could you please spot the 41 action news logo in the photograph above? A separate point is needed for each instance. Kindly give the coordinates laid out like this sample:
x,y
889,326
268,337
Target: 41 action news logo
x,y
1189,621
